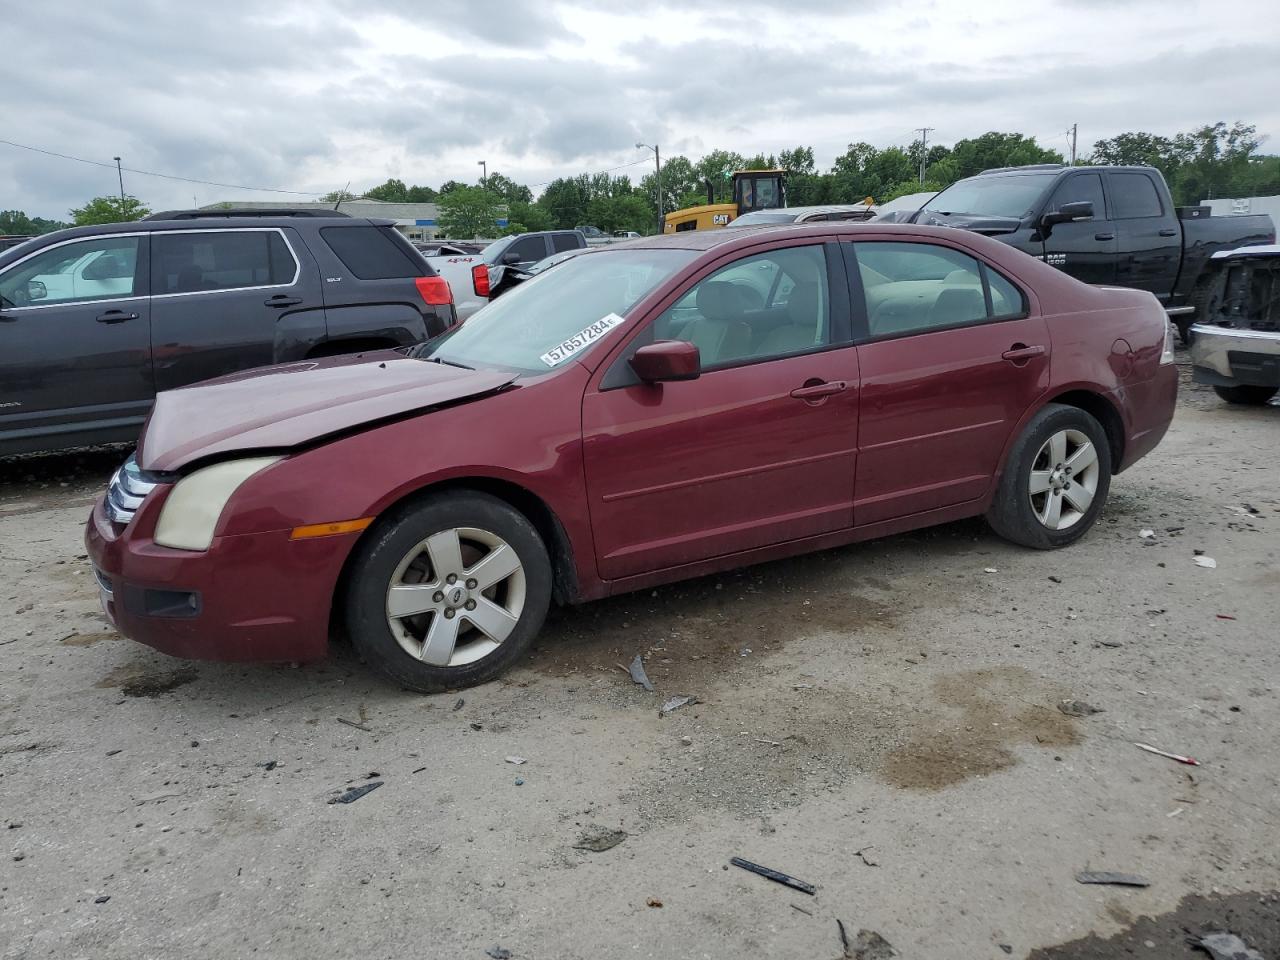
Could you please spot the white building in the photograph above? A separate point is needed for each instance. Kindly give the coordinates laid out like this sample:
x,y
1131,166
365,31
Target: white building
x,y
1227,207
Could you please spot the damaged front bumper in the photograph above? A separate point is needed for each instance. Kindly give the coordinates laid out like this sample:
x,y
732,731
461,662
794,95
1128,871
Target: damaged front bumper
x,y
1227,357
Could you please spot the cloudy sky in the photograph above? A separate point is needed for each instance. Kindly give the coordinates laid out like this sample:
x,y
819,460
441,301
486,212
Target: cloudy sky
x,y
310,96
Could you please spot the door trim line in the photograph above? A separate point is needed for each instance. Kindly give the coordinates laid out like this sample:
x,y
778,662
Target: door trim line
x,y
930,436
727,475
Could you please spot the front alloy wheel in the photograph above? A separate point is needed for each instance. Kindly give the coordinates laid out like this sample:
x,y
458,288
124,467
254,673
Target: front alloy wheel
x,y
448,592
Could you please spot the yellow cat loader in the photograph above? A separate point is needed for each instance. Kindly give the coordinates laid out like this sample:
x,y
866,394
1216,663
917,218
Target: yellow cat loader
x,y
752,190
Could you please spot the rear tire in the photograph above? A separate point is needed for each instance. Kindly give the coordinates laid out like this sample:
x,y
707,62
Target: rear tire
x,y
1246,394
448,592
1055,481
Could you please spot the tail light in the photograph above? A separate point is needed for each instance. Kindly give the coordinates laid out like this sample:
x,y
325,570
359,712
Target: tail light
x,y
434,290
480,279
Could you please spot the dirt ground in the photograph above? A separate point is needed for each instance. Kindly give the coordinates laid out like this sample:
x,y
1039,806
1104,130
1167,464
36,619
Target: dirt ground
x,y
880,721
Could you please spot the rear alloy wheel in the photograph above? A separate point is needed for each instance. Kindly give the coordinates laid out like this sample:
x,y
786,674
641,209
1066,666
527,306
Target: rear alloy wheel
x,y
449,593
1246,394
1056,480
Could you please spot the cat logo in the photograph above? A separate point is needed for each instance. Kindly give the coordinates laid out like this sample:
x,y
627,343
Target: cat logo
x,y
720,220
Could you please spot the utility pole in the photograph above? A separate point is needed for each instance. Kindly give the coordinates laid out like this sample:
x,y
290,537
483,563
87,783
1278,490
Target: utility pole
x,y
924,150
1074,127
657,165
484,173
120,174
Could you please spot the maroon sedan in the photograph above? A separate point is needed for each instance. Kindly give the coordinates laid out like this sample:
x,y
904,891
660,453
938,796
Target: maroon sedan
x,y
648,412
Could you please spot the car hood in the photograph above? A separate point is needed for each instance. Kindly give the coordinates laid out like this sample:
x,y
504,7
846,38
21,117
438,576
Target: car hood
x,y
290,405
969,221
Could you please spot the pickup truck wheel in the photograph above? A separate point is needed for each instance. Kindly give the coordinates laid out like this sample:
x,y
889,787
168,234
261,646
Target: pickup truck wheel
x,y
1246,394
449,592
1055,481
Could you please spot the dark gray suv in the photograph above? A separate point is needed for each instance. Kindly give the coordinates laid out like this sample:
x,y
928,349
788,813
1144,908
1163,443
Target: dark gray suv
x,y
94,321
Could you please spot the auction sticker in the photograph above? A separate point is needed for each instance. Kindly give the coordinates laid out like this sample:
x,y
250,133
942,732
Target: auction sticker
x,y
580,340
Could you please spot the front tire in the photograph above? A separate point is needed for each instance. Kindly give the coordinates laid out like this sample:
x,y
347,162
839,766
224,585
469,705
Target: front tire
x,y
448,592
1055,481
1246,394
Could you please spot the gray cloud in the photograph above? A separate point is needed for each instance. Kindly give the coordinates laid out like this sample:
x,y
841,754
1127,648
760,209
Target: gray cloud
x,y
307,96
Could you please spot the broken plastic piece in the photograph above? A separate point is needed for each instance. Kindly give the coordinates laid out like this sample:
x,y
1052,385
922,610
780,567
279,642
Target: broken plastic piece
x,y
1189,761
355,793
775,875
1115,879
1227,946
638,675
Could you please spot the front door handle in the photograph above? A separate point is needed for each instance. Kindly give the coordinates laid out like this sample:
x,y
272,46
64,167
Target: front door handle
x,y
1168,232
1104,236
280,300
1020,353
116,316
816,390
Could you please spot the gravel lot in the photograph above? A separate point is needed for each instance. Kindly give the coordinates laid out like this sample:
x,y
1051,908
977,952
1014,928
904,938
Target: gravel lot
x,y
897,698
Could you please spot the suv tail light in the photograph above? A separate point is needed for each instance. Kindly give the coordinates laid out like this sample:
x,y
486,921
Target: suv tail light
x,y
480,279
434,290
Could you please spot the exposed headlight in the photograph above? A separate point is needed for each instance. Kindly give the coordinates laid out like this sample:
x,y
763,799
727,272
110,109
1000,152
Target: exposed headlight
x,y
191,512
1166,355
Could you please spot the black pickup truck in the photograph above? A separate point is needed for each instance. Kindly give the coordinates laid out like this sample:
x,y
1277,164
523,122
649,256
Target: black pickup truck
x,y
1103,225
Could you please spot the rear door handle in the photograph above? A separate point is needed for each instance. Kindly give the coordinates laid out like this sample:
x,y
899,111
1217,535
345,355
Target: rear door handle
x,y
816,391
280,300
116,316
1168,232
1104,236
1020,353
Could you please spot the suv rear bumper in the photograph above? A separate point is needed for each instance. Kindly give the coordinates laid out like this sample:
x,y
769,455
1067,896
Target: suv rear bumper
x,y
1226,357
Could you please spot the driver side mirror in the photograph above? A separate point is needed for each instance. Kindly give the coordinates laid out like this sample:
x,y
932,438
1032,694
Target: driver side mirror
x,y
667,360
36,290
511,259
1068,212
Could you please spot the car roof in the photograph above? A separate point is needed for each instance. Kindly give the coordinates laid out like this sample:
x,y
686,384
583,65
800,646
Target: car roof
x,y
748,236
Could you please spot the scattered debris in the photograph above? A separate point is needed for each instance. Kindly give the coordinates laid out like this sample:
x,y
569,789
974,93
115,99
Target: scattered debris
x,y
1206,562
103,899
1225,616
990,570
866,858
776,876
675,703
419,770
805,910
1054,579
1226,946
1077,708
1108,643
516,760
802,686
1189,761
498,953
270,764
352,723
355,793
112,753
687,741
1146,534
653,902
844,938
772,743
519,781
1006,947
477,726
638,675
867,945
459,705
598,839
1113,879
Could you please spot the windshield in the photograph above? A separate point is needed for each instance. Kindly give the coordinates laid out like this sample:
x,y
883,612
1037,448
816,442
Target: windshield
x,y
1015,196
763,216
560,313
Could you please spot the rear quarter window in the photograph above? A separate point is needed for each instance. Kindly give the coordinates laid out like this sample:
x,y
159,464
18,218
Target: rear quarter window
x,y
370,253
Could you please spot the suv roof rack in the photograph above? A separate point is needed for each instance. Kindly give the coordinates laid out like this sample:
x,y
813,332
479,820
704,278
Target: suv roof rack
x,y
1025,166
245,212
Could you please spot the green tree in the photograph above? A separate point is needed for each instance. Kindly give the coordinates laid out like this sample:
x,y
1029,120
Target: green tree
x,y
393,191
338,196
999,150
678,179
449,186
565,202
529,216
417,194
508,189
16,223
109,210
467,212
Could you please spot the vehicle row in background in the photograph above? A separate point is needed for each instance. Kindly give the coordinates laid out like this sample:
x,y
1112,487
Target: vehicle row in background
x,y
95,321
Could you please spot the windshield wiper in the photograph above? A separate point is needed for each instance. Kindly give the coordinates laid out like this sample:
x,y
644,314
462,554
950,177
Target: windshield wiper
x,y
452,363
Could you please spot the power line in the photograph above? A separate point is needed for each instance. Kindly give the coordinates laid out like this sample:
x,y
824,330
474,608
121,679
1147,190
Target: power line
x,y
163,176
596,174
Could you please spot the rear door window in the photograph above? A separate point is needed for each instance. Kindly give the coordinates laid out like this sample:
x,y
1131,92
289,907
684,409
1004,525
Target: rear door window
x,y
527,249
1134,196
370,253
204,261
560,242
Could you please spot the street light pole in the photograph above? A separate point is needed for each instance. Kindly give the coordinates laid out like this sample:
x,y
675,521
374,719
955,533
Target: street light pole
x,y
657,165
120,175
484,173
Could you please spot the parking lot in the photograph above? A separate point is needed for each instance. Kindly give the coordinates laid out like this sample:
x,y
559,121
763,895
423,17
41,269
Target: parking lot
x,y
881,721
